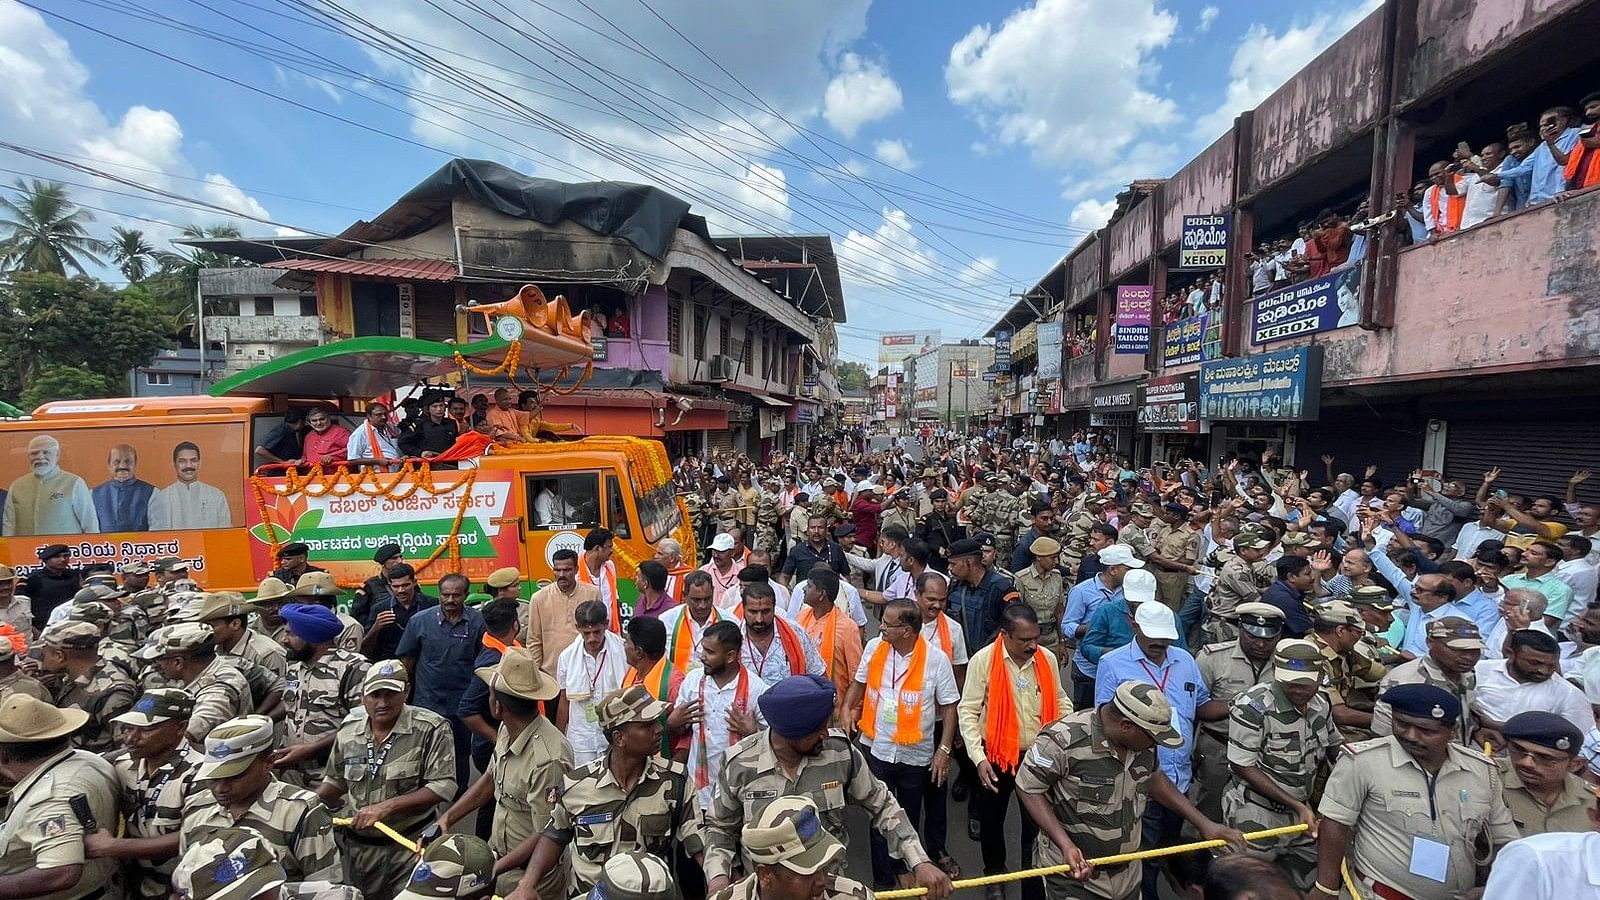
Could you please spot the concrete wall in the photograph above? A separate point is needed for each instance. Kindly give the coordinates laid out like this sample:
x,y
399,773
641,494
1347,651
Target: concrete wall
x,y
1083,280
1132,239
1516,294
1203,186
1321,108
1455,34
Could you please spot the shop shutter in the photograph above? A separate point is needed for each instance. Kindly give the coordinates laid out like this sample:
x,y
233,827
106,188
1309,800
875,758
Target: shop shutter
x,y
1359,437
1535,456
720,439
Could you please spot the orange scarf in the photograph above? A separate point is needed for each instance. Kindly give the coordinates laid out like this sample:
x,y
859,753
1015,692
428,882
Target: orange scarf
x,y
942,629
1454,206
793,650
609,570
830,630
490,642
675,583
1583,165
661,677
1002,734
907,696
683,640
372,439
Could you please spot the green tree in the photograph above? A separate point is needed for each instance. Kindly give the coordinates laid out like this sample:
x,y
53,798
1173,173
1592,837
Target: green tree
x,y
47,232
54,323
179,281
67,383
852,376
132,253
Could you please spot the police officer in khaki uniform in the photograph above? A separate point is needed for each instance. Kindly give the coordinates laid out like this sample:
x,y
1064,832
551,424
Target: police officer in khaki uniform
x,y
1336,629
393,763
318,587
322,687
1279,736
631,798
238,791
794,857
239,864
186,656
1414,814
154,773
1229,668
1135,531
1174,548
271,594
799,755
1543,786
15,681
42,851
1454,648
459,866
1242,579
1042,588
523,778
228,616
1086,780
78,676
1376,606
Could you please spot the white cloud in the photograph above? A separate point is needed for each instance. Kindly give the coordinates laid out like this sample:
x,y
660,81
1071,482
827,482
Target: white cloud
x,y
764,189
1068,79
888,256
896,153
862,92
1265,59
1208,16
46,106
1091,214
980,270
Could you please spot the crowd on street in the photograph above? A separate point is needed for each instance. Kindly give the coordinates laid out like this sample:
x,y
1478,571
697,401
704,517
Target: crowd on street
x,y
1407,667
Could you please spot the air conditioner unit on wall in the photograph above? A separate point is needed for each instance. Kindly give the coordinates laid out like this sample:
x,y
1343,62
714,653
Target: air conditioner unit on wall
x,y
721,368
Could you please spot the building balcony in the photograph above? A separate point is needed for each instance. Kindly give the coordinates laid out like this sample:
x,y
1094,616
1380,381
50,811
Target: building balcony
x,y
264,329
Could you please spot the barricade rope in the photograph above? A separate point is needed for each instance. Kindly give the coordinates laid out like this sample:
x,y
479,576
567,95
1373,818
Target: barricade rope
x,y
393,835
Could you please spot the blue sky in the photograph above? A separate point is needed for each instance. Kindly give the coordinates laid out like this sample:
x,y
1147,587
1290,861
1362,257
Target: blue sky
x,y
954,151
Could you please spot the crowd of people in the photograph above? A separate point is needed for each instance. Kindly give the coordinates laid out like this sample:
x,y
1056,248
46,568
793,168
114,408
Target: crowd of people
x,y
1203,295
1408,668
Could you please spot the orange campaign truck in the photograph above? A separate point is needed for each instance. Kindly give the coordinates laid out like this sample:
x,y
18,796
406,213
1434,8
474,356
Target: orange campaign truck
x,y
141,478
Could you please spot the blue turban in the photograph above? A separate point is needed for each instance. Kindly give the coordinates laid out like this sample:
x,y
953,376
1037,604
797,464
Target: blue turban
x,y
798,706
1424,701
311,623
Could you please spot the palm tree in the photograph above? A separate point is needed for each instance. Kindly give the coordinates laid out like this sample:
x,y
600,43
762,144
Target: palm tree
x,y
132,253
47,231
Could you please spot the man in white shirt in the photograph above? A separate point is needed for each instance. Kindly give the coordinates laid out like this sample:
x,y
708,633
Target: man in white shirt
x,y
588,670
884,575
853,605
686,623
1556,865
754,572
1526,680
717,704
188,502
1519,608
374,439
906,694
774,647
1473,534
1577,572
942,631
1482,198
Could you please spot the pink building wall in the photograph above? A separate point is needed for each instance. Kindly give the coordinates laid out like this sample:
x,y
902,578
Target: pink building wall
x,y
1203,186
1453,35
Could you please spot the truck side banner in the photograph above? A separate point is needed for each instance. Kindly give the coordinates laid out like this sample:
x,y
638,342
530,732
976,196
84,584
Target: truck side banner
x,y
343,531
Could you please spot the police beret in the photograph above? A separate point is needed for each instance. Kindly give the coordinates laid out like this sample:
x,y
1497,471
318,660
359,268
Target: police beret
x,y
964,547
385,553
294,548
50,550
938,494
985,539
844,530
1424,701
1545,729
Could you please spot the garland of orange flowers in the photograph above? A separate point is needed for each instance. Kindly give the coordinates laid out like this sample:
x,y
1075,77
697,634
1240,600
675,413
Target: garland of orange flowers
x,y
508,365
317,483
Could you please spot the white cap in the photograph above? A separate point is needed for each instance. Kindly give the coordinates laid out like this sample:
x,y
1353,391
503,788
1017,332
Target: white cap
x,y
1139,586
1155,620
1120,555
722,542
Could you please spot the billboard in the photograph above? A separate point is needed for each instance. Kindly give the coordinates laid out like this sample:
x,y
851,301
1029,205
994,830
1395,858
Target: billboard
x,y
1192,340
893,347
1204,244
1281,386
1135,302
1320,304
1171,405
1049,350
1002,350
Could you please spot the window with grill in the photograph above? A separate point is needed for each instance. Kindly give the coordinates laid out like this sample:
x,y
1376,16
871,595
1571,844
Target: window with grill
x,y
263,306
726,338
674,326
308,304
699,333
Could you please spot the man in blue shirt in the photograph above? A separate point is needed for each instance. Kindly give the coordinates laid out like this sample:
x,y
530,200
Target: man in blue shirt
x,y
1153,659
1288,593
1085,598
438,647
1546,165
1111,625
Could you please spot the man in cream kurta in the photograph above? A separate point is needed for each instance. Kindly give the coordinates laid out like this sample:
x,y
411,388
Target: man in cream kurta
x,y
188,502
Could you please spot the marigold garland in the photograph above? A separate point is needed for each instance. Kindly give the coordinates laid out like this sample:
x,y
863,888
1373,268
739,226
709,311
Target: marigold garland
x,y
508,365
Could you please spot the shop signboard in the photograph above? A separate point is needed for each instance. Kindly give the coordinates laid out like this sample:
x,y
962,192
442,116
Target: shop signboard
x,y
1281,386
1320,304
1171,404
1134,305
1192,340
1002,350
1113,405
1204,243
1049,351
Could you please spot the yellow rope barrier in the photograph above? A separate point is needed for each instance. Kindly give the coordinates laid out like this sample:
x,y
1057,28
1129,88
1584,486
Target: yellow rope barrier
x,y
1349,883
1116,859
395,836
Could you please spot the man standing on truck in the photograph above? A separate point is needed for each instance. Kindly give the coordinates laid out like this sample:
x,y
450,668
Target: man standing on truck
x,y
47,500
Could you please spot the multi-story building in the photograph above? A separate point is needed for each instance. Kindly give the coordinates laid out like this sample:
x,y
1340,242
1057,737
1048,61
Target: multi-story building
x,y
946,384
254,319
1475,349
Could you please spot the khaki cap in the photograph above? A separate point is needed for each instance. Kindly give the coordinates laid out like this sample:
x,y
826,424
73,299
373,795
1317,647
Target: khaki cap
x,y
456,866
629,705
159,705
171,564
518,675
222,605
1044,546
27,720
1372,595
232,746
387,675
1456,632
271,589
171,640
7,573
233,864
1295,539
504,578
1340,612
1145,706
1297,660
789,833
315,584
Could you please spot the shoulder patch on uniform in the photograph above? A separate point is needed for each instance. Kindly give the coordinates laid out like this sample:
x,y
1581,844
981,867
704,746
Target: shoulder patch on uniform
x,y
1038,758
761,795
53,826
